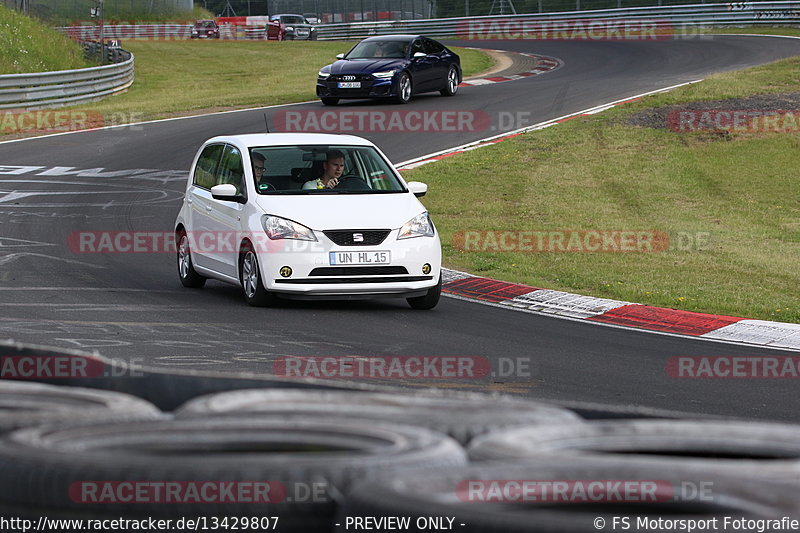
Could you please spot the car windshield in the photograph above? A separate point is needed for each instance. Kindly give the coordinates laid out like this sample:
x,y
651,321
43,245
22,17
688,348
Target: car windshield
x,y
205,24
373,49
293,19
287,169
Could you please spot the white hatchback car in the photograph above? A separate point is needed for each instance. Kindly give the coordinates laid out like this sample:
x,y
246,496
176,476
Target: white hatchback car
x,y
280,232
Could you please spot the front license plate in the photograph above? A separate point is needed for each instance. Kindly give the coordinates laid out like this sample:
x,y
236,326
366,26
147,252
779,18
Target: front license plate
x,y
349,84
360,258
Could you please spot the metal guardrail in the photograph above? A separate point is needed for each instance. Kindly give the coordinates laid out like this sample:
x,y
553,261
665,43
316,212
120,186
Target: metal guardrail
x,y
678,18
685,18
41,90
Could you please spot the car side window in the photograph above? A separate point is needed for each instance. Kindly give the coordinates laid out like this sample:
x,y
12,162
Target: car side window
x,y
231,168
206,169
432,47
417,47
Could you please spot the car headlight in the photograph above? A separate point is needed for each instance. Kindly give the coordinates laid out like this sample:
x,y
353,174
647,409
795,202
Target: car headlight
x,y
419,226
324,75
289,28
385,74
280,228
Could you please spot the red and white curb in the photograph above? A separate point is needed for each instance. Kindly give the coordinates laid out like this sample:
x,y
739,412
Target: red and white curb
x,y
619,313
544,64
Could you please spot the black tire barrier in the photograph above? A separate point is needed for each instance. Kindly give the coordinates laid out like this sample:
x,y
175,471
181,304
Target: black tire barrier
x,y
166,389
462,416
24,404
601,411
564,495
763,449
292,468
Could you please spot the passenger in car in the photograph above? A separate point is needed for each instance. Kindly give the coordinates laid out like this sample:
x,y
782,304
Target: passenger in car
x,y
332,170
259,162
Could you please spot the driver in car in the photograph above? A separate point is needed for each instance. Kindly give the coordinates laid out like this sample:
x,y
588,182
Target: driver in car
x,y
332,170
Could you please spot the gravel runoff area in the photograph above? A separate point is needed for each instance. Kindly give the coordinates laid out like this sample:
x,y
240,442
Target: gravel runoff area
x,y
658,117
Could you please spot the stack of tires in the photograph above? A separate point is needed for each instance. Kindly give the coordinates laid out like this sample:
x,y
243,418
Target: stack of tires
x,y
310,460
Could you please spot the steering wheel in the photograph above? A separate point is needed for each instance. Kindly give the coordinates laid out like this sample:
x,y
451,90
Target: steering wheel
x,y
352,183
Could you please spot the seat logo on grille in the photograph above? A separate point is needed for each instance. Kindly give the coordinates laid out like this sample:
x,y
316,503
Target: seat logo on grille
x,y
348,78
358,237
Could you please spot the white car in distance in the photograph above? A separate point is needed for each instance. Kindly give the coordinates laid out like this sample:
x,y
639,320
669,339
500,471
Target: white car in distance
x,y
367,237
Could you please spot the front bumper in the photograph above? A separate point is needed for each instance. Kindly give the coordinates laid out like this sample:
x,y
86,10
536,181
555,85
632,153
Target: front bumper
x,y
370,88
313,276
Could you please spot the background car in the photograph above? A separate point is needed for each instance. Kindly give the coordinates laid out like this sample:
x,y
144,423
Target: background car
x,y
205,29
289,27
390,66
368,237
312,18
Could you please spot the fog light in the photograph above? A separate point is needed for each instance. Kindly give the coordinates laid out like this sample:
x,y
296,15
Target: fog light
x,y
286,271
426,268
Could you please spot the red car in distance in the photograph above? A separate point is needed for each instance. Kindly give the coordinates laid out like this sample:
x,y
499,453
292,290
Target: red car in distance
x,y
289,27
205,29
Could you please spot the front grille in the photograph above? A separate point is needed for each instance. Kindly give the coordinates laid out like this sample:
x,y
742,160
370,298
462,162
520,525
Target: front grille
x,y
344,237
359,271
351,77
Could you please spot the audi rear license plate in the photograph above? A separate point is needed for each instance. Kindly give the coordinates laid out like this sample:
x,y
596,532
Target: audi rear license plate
x,y
349,84
360,258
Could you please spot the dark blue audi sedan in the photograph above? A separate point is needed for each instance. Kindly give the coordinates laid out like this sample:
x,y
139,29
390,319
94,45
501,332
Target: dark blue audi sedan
x,y
390,66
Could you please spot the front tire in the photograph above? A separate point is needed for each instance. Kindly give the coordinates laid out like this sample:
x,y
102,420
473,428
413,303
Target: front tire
x,y
186,272
451,86
330,101
255,293
403,89
430,299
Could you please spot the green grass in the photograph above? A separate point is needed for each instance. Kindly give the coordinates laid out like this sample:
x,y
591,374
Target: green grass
x,y
772,30
598,172
474,62
180,77
26,45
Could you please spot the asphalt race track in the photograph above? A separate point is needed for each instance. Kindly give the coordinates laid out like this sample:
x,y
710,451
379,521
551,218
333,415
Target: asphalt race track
x,y
132,306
